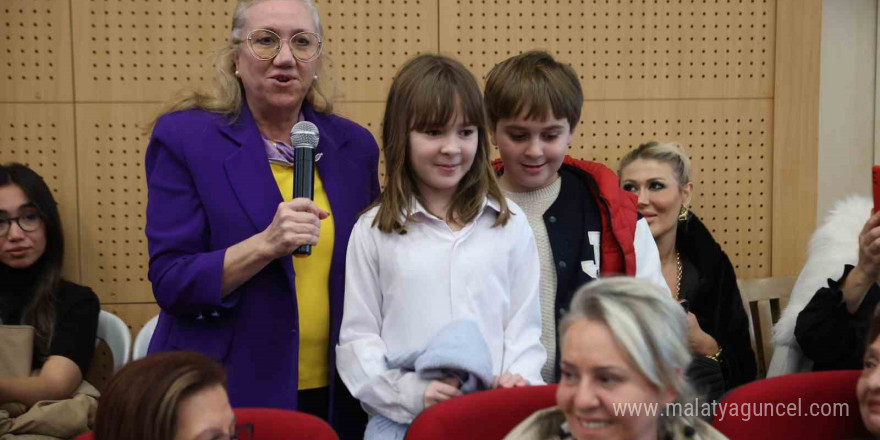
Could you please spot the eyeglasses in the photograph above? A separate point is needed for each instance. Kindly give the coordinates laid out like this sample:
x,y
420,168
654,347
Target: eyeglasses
x,y
28,222
266,45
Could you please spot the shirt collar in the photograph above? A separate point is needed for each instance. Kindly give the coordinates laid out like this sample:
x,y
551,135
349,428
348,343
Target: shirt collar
x,y
418,208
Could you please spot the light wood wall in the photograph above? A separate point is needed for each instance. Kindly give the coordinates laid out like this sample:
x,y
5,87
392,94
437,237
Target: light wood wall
x,y
735,81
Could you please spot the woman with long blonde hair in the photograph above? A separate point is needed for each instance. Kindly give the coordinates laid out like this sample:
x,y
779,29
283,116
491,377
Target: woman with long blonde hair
x,y
698,272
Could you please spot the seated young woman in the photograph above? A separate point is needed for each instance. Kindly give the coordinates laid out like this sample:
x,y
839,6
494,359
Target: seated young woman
x,y
64,315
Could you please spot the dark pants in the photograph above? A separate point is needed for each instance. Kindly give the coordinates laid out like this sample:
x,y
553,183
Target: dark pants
x,y
349,419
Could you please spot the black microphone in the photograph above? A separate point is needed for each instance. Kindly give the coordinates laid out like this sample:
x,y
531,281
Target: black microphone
x,y
304,138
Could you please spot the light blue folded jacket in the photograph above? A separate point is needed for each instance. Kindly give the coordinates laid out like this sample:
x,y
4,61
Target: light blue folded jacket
x,y
458,350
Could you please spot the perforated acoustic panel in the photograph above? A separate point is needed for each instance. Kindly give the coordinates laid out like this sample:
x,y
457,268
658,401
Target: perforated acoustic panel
x,y
35,55
369,115
626,49
113,195
146,50
697,71
368,40
41,137
729,143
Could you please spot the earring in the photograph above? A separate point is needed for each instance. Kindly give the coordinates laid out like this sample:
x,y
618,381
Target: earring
x,y
316,77
683,213
237,74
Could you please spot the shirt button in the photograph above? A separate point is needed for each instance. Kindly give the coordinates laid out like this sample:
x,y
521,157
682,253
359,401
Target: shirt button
x,y
552,219
562,265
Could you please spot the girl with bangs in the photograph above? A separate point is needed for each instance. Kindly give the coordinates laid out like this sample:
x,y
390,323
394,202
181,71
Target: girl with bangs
x,y
440,246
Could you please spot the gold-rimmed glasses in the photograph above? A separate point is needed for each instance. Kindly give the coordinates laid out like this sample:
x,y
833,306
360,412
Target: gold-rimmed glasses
x,y
266,45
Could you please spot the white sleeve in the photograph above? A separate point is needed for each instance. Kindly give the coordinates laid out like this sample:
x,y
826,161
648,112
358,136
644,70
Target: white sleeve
x,y
647,256
360,355
523,352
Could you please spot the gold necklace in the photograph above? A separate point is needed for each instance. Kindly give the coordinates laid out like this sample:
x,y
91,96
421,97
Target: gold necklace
x,y
678,264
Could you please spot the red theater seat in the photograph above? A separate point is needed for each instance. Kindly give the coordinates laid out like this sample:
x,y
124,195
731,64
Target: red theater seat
x,y
277,424
804,392
486,415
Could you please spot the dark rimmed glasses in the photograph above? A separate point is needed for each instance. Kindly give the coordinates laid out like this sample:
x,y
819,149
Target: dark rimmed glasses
x,y
29,221
266,45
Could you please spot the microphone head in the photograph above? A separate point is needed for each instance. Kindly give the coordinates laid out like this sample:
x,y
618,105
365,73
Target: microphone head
x,y
304,135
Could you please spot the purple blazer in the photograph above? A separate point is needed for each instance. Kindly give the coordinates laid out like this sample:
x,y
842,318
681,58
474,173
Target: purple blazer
x,y
210,187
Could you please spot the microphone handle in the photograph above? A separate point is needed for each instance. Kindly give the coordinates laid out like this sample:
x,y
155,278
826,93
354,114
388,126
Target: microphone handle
x,y
303,183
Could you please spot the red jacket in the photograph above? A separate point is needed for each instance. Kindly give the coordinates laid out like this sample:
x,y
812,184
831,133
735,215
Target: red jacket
x,y
619,215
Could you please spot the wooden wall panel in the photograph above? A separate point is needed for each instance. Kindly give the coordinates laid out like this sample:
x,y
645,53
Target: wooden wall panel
x,y
735,81
626,49
35,55
369,115
41,137
796,132
367,41
113,196
145,50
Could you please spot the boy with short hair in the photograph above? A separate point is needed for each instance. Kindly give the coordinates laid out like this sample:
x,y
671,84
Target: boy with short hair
x,y
585,225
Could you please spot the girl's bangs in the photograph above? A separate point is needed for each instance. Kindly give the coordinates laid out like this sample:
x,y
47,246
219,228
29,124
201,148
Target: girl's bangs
x,y
437,99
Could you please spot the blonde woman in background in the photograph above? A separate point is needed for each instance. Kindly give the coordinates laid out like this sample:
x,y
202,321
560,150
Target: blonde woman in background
x,y
698,272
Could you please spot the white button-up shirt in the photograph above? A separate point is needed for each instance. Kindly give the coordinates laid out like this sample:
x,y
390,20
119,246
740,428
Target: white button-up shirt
x,y
401,289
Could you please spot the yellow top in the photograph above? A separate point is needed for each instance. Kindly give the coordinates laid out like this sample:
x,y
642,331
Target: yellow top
x,y
312,290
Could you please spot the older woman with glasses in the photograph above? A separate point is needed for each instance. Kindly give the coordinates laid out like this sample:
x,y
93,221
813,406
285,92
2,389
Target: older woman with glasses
x,y
64,315
222,222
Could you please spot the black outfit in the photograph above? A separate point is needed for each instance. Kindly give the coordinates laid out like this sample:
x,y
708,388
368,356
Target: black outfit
x,y
831,336
709,285
76,315
572,214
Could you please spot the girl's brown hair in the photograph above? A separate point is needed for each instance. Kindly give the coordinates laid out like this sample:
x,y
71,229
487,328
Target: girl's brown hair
x,y
427,93
141,401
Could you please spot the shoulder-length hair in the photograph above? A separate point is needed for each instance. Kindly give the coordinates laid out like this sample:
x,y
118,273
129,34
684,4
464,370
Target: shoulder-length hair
x,y
427,92
227,95
650,327
141,400
40,310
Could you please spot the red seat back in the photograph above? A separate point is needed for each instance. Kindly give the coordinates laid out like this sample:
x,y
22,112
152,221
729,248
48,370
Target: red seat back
x,y
791,402
277,424
486,415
